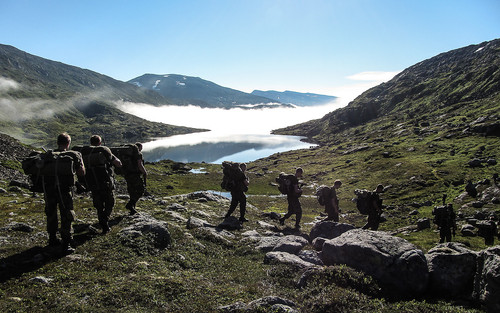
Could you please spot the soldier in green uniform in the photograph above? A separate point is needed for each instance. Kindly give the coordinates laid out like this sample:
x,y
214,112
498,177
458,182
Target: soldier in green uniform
x,y
294,206
136,180
58,191
101,183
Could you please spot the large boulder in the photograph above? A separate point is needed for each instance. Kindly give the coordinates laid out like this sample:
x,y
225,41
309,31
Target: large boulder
x,y
487,279
329,229
451,270
398,266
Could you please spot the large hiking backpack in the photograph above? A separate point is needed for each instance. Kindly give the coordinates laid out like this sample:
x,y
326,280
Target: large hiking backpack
x,y
364,200
442,216
98,172
128,155
57,166
323,194
285,182
232,174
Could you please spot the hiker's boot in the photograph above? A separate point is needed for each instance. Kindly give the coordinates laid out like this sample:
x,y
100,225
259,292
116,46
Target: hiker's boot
x,y
105,229
242,219
130,208
53,241
67,249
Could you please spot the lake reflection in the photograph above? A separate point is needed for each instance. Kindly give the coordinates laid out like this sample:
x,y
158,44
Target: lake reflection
x,y
213,147
237,135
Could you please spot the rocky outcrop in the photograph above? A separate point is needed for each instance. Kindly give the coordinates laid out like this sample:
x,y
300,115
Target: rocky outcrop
x,y
487,279
398,266
329,229
451,270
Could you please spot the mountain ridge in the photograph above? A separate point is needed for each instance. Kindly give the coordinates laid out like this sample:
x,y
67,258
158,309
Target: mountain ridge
x,y
41,98
185,90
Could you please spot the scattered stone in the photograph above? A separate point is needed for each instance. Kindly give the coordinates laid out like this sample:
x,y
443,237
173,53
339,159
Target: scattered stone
x,y
423,223
475,163
318,243
16,226
230,223
3,190
491,162
194,222
468,230
267,243
176,207
41,279
276,257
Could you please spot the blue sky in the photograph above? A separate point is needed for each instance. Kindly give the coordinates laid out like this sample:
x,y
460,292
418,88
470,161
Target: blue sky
x,y
321,46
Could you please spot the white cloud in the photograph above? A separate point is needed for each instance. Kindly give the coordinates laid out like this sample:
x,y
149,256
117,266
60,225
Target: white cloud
x,y
6,84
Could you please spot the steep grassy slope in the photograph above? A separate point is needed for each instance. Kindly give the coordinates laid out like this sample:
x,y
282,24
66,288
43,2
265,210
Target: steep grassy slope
x,y
463,84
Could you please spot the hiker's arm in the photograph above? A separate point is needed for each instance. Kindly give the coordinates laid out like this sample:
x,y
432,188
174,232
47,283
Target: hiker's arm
x,y
116,162
81,170
142,169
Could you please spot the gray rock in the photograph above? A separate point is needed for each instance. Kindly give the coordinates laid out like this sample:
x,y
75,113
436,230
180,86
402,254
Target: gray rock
x,y
143,224
487,279
205,195
41,279
194,222
451,270
230,223
291,244
216,235
176,207
423,223
475,163
265,225
468,230
329,229
2,190
491,161
267,243
310,256
396,264
276,257
17,226
318,243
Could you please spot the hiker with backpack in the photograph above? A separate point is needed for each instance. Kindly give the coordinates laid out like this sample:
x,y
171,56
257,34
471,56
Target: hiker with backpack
x,y
327,196
374,209
58,191
289,185
238,185
444,218
135,176
99,178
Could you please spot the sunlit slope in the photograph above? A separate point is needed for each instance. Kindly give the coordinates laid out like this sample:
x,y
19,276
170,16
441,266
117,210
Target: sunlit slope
x,y
459,86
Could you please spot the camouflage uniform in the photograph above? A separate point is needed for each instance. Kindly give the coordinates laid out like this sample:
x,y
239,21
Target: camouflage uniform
x,y
135,187
58,192
101,184
294,206
238,196
329,208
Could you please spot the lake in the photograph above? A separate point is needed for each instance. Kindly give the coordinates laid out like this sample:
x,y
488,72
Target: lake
x,y
237,135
